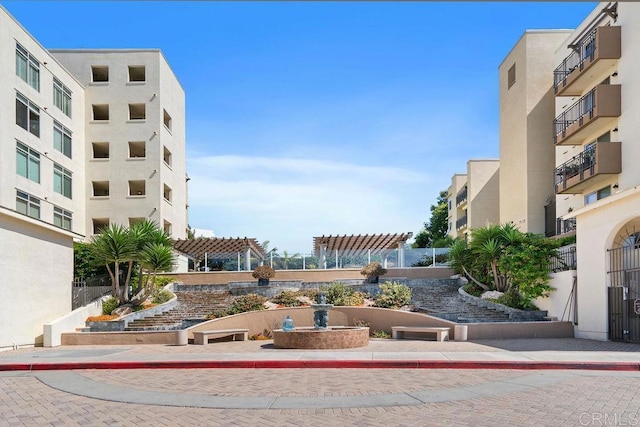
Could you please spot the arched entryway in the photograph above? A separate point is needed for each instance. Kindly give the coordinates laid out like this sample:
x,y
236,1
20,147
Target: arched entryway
x,y
624,289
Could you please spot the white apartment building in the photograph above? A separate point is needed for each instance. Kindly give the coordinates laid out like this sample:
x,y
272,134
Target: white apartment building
x,y
597,178
135,138
473,197
86,138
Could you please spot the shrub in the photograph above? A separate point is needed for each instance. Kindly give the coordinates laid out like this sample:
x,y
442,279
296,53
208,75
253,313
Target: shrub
x,y
163,281
380,334
340,294
161,296
287,299
373,269
244,303
513,299
473,289
392,295
263,272
103,318
309,293
109,305
360,323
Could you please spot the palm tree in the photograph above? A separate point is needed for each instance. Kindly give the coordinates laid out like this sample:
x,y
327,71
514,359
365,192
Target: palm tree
x,y
156,257
144,233
286,258
113,246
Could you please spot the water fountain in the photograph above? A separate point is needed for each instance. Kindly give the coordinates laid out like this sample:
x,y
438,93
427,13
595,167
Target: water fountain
x,y
320,336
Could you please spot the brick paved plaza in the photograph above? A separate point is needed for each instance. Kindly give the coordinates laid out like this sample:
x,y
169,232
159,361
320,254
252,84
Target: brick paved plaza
x,y
317,397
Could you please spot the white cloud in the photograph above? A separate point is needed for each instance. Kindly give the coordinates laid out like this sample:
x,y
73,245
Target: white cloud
x,y
289,201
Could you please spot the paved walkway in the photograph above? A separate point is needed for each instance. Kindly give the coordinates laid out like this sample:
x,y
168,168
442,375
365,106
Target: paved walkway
x,y
329,393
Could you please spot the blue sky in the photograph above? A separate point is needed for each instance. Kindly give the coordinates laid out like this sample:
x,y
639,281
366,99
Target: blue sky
x,y
312,118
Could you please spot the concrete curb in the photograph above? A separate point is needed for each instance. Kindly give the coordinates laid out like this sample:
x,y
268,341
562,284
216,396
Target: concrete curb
x,y
324,364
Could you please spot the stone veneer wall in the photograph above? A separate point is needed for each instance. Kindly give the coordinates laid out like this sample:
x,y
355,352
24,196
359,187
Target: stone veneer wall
x,y
321,339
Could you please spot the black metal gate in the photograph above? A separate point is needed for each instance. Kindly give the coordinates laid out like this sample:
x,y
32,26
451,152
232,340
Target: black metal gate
x,y
624,294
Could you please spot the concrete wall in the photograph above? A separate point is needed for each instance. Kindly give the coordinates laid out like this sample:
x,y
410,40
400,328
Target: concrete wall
x,y
483,193
558,304
53,331
526,114
329,275
37,273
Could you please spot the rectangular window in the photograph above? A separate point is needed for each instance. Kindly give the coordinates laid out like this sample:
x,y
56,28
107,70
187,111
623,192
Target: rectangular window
x,y
27,162
100,150
100,73
61,180
137,73
166,193
137,112
100,188
511,76
62,218
27,204
137,149
27,67
62,97
166,156
27,115
166,119
62,139
99,224
100,111
597,195
137,188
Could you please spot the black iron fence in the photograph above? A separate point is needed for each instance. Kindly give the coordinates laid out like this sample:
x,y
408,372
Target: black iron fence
x,y
564,260
585,49
577,165
461,197
581,108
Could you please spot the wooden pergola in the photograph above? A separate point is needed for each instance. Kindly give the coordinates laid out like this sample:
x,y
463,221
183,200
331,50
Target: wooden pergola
x,y
359,245
221,247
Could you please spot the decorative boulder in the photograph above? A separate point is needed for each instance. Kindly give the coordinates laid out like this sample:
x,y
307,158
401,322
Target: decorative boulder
x,y
491,295
123,310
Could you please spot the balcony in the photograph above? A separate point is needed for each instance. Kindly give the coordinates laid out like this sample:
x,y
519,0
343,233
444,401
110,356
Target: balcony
x,y
595,112
461,197
589,167
461,223
593,55
565,227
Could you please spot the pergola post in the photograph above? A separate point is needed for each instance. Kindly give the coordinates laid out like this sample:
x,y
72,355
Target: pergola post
x,y
401,254
247,259
337,259
323,256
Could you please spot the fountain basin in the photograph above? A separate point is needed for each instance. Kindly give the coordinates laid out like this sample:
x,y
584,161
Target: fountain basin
x,y
333,337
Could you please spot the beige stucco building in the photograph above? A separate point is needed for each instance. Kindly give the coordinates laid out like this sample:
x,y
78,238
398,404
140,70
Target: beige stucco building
x,y
526,109
473,197
67,169
596,177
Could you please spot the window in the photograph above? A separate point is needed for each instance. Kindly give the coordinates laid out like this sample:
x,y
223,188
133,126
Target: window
x,y
62,218
100,188
167,227
166,193
137,149
597,195
27,67
166,156
61,180
100,111
27,162
99,224
511,76
27,115
99,74
100,150
137,112
62,139
137,188
27,204
167,119
137,73
62,97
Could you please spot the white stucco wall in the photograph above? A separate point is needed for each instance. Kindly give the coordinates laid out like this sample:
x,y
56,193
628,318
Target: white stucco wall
x,y
37,275
558,302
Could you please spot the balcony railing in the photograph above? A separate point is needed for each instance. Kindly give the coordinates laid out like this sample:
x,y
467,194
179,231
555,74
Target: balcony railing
x,y
461,197
597,51
597,161
594,112
565,259
564,226
461,223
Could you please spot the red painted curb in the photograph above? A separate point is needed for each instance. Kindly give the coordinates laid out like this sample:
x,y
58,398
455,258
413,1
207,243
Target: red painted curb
x,y
324,364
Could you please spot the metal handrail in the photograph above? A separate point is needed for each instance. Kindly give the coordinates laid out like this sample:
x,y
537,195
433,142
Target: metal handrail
x,y
582,107
577,165
461,196
462,222
585,48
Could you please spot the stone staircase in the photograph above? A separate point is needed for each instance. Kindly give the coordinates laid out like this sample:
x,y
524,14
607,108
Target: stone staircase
x,y
192,307
443,300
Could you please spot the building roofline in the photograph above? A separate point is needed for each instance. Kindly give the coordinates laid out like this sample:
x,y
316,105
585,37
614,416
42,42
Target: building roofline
x,y
535,31
70,74
38,222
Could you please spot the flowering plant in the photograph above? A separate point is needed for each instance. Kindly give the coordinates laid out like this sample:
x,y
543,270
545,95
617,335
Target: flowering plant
x,y
263,272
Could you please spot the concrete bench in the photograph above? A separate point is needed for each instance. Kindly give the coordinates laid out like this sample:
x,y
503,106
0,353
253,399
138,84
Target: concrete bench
x,y
202,337
442,334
